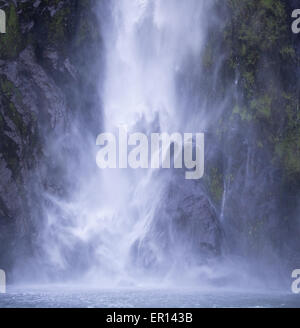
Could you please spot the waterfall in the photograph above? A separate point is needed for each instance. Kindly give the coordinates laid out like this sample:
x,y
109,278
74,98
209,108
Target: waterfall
x,y
130,226
219,76
148,45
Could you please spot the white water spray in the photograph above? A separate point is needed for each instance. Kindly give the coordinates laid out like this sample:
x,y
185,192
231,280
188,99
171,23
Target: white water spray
x,y
117,216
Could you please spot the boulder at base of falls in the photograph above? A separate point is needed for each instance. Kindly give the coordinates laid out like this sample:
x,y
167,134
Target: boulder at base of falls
x,y
183,230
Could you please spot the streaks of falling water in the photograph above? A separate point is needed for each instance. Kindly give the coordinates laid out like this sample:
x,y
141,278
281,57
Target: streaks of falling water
x,y
147,44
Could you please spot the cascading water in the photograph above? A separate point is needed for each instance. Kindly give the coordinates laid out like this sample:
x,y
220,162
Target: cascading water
x,y
135,227
143,237
147,46
124,225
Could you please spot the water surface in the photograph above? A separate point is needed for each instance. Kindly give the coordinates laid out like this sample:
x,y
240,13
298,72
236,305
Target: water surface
x,y
142,298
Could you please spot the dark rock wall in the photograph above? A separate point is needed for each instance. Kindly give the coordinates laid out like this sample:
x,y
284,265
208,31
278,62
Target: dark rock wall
x,y
49,60
254,175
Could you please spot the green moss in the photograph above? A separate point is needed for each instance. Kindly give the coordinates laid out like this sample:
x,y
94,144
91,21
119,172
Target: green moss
x,y
286,144
260,144
9,90
58,27
7,86
11,96
16,117
9,150
257,29
82,33
260,23
288,52
262,106
288,151
260,47
216,185
243,113
87,30
11,43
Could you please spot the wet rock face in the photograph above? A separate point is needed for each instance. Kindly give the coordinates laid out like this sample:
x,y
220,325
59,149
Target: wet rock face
x,y
259,171
185,229
41,58
31,102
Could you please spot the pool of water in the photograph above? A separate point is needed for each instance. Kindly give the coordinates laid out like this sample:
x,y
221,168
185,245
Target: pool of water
x,y
59,297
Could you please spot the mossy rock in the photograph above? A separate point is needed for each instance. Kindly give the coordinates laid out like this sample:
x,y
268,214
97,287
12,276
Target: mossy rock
x,y
11,96
58,31
11,43
215,184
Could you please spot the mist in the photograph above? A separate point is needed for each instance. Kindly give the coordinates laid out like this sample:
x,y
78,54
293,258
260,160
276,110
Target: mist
x,y
163,66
